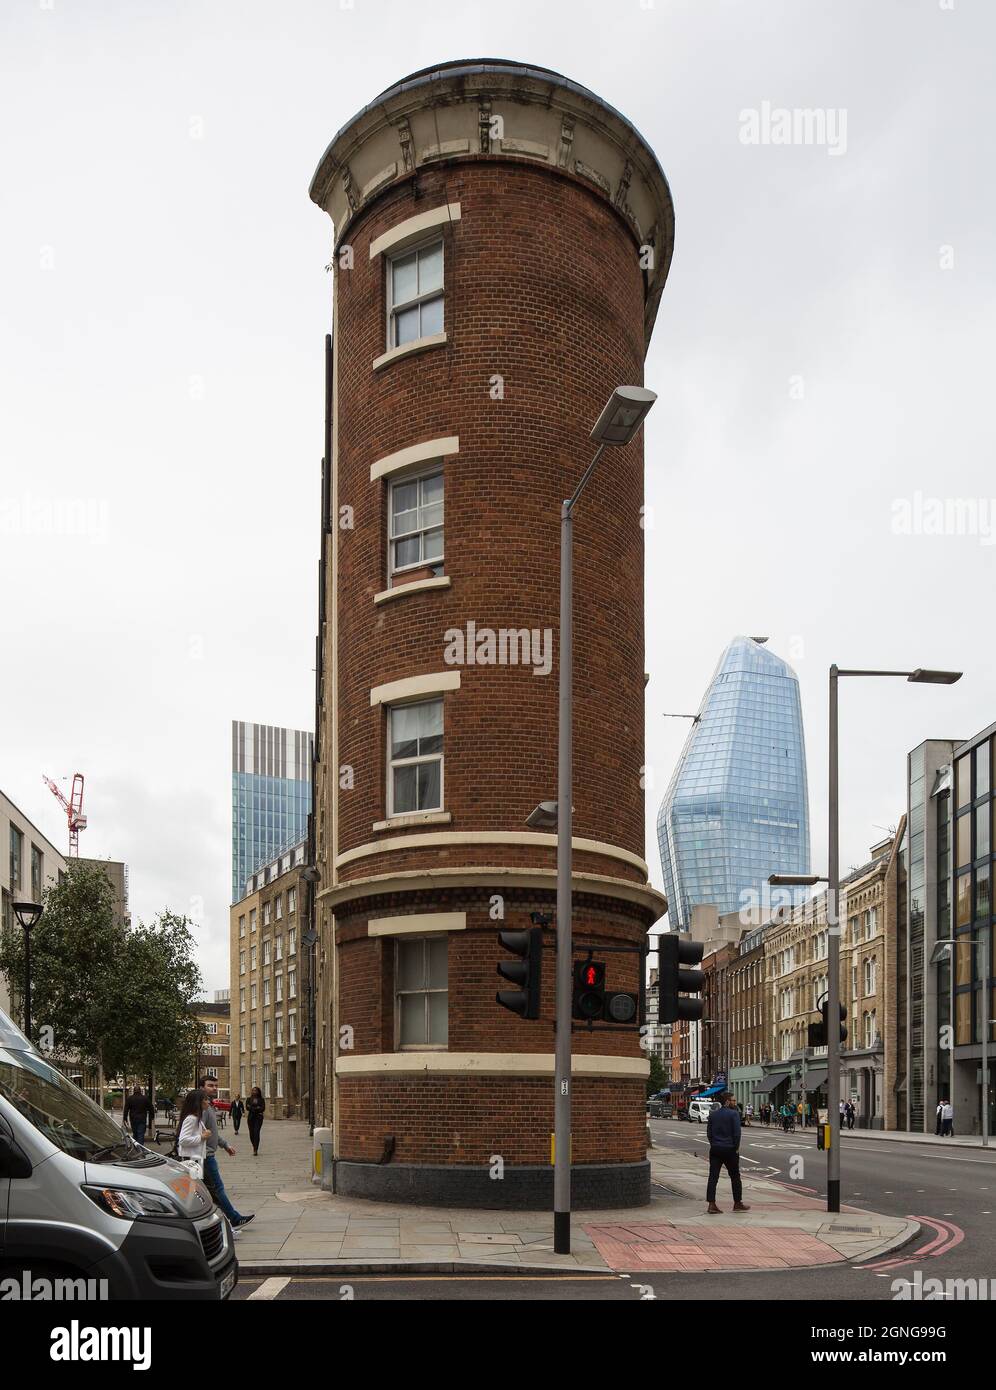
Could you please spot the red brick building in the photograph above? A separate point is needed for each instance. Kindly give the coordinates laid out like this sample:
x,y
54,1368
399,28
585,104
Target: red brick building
x,y
502,238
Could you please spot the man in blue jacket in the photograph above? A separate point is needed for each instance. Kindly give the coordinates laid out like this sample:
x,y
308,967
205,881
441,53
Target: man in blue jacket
x,y
723,1130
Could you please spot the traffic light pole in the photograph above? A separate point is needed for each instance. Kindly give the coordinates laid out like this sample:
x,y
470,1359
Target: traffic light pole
x,y
833,966
565,830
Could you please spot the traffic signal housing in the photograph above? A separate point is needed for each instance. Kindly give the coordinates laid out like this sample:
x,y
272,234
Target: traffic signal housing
x,y
526,972
588,998
675,955
819,1033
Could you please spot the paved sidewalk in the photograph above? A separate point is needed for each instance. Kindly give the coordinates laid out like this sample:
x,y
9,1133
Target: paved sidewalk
x,y
299,1228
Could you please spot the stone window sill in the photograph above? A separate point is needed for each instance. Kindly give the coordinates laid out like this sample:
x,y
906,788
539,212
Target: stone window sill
x,y
441,581
419,818
409,350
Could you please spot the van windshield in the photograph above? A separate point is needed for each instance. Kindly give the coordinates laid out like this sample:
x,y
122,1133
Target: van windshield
x,y
57,1108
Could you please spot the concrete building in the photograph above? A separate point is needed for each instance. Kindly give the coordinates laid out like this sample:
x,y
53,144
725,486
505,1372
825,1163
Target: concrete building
x,y
271,794
502,241
116,874
270,983
29,862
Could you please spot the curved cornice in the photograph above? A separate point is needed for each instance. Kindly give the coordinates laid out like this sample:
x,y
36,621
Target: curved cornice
x,y
448,112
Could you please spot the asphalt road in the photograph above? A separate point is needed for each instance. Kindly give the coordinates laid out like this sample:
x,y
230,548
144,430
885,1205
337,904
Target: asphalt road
x,y
951,1192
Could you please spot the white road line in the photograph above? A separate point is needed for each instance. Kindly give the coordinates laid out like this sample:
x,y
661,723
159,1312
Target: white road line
x,y
270,1288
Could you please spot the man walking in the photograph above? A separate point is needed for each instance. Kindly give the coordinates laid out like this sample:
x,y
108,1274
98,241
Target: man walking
x,y
947,1120
212,1173
139,1111
723,1132
939,1117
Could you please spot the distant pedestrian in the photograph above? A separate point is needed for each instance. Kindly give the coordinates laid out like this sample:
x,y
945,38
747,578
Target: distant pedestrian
x,y
140,1113
850,1112
723,1132
749,1114
939,1116
238,1110
843,1114
787,1115
255,1110
947,1120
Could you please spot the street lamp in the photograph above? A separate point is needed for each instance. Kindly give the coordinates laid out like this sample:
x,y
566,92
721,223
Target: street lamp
x,y
943,949
618,423
919,676
27,914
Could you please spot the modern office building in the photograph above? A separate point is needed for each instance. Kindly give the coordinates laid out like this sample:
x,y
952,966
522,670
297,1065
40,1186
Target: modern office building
x,y
28,864
737,805
946,997
271,795
502,241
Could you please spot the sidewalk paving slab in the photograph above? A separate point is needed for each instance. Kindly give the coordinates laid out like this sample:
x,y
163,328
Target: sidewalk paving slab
x,y
301,1229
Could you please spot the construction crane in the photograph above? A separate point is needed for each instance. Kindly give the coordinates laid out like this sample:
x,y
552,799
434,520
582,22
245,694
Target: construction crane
x,y
73,809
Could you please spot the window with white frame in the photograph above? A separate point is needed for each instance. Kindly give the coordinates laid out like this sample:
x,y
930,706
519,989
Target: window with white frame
x,y
266,952
415,751
242,962
278,953
242,1038
252,958
266,1080
252,919
291,900
416,522
212,1072
421,992
280,988
266,992
415,294
292,984
280,906
870,975
242,1080
254,1076
871,923
266,914
280,1030
292,943
242,1000
292,1028
242,925
252,1036
266,1035
252,996
279,1074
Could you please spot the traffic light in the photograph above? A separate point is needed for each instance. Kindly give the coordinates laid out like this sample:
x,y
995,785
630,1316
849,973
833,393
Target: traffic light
x,y
588,1001
819,1033
526,972
675,953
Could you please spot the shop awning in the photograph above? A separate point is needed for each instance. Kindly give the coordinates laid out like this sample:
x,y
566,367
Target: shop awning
x,y
815,1078
712,1091
770,1083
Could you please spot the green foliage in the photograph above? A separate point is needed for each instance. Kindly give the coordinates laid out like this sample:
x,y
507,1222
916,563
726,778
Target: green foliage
x,y
112,995
657,1079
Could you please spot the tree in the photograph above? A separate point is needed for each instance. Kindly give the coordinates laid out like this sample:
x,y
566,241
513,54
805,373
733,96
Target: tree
x,y
75,949
657,1080
158,984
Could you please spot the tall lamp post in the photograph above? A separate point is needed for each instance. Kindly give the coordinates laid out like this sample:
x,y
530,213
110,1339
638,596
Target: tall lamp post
x,y
945,948
27,914
618,423
921,676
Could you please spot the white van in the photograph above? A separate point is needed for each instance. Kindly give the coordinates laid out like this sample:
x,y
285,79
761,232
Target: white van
x,y
79,1199
701,1109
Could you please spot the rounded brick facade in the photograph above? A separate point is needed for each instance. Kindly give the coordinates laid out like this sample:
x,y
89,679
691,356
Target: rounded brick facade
x,y
547,306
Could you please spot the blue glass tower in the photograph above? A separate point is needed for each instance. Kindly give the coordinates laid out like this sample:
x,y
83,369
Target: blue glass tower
x,y
737,807
271,795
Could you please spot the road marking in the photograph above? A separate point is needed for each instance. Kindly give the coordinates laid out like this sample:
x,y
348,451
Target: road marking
x,y
946,1239
270,1288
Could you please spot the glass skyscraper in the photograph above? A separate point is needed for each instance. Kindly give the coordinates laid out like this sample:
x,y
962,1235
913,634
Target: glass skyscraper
x,y
271,795
737,805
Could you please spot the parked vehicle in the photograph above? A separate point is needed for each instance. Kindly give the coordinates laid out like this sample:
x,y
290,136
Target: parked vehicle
x,y
659,1106
80,1199
700,1110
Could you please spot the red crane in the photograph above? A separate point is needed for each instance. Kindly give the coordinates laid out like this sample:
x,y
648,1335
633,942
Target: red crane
x,y
73,809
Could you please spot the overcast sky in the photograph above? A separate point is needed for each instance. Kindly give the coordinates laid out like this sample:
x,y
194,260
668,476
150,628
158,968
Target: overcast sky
x,y
823,352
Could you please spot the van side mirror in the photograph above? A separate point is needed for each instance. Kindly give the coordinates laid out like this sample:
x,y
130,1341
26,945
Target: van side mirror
x,y
14,1162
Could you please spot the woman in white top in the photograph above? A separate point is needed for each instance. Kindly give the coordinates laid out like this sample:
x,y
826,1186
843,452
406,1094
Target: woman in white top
x,y
192,1135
